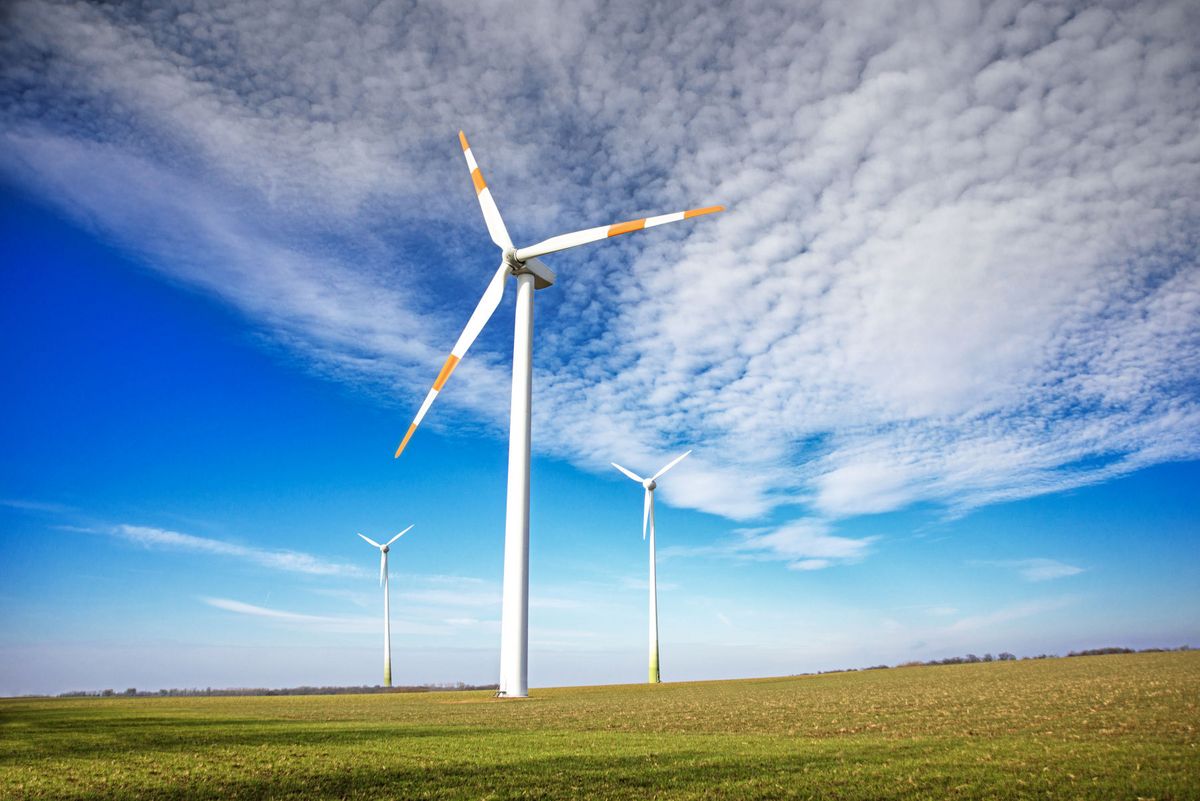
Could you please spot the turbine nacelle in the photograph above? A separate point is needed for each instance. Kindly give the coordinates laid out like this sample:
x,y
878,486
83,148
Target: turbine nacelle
x,y
649,484
543,276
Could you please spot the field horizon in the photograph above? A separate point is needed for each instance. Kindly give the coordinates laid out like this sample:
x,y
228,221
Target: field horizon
x,y
1114,726
460,686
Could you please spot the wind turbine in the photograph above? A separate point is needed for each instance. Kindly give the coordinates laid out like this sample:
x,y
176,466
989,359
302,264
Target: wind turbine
x,y
531,274
648,517
387,603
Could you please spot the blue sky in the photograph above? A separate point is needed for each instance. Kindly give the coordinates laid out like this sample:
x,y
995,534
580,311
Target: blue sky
x,y
938,362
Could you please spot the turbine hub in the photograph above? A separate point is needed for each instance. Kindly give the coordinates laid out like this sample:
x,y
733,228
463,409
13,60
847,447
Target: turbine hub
x,y
510,258
385,548
650,484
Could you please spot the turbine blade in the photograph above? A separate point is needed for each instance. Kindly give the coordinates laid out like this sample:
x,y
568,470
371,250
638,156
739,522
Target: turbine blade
x,y
368,539
629,473
483,312
576,238
652,514
382,566
647,505
491,214
673,462
401,534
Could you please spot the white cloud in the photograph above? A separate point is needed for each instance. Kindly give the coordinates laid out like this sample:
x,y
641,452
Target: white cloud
x,y
809,564
959,264
1039,569
803,545
292,561
358,624
24,505
1008,614
262,611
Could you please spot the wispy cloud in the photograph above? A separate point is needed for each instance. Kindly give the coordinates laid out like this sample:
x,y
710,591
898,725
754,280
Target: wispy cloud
x,y
1009,613
25,505
803,545
961,244
1037,569
292,561
357,624
241,608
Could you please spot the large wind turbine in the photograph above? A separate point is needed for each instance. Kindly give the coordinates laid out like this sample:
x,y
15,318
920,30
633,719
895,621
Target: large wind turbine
x,y
648,518
387,603
531,274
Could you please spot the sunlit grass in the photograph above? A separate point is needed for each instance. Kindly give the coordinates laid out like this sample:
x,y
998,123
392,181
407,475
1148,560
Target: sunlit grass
x,y
1095,727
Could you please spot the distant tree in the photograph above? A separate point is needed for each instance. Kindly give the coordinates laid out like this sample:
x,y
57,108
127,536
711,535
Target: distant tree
x,y
1005,656
988,658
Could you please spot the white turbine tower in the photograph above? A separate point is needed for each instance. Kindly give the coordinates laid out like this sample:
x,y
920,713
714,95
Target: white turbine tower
x,y
648,518
387,603
531,274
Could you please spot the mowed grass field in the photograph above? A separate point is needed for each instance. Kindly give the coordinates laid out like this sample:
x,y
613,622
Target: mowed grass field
x,y
1103,727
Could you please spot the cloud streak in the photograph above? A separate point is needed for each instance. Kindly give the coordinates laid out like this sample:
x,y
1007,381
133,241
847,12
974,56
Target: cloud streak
x,y
802,545
959,265
290,561
359,624
1039,569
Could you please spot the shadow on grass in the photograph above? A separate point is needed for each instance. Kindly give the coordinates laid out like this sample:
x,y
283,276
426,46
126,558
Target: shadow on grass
x,y
872,772
691,774
67,736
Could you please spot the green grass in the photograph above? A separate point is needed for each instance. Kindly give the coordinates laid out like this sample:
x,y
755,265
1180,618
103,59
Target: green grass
x,y
1102,727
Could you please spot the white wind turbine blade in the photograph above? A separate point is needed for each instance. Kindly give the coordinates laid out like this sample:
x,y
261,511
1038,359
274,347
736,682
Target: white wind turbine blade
x,y
491,214
651,494
371,541
382,565
629,473
673,462
576,238
647,506
483,312
401,534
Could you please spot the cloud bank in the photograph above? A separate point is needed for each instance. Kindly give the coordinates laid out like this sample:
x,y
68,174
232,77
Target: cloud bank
x,y
959,265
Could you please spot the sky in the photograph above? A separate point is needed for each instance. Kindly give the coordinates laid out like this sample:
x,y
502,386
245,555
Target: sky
x,y
938,362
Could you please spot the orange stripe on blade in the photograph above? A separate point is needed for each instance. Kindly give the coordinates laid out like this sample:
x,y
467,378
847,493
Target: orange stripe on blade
x,y
462,137
447,369
477,177
404,442
626,227
697,212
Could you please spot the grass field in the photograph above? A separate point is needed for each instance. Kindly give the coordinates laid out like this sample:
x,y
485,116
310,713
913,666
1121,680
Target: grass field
x,y
1101,727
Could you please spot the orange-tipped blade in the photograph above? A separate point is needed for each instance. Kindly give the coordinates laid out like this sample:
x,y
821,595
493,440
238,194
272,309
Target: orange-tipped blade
x,y
577,238
483,312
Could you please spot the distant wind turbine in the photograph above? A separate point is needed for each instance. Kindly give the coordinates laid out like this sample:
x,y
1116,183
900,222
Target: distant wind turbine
x,y
531,274
387,603
648,519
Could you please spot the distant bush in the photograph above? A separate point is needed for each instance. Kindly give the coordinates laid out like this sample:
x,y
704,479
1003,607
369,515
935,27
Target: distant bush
x,y
1104,651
